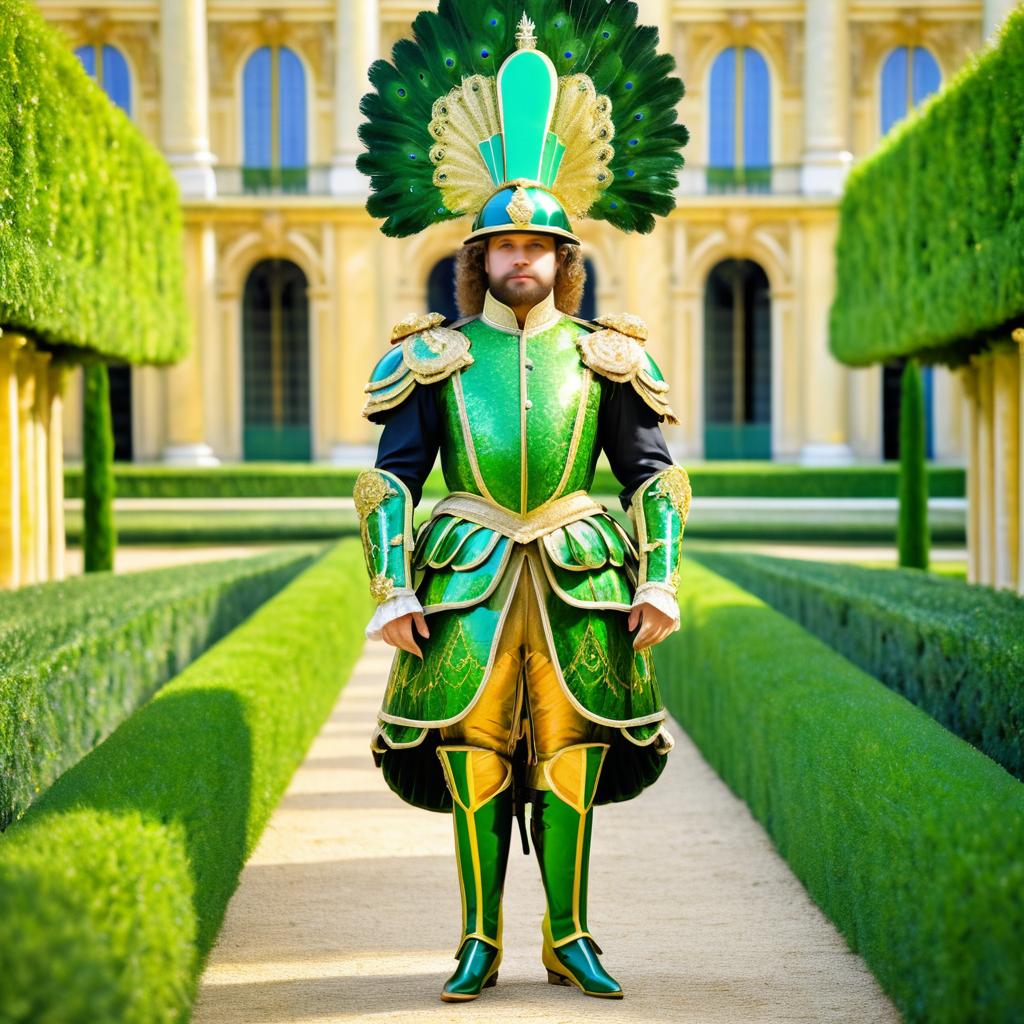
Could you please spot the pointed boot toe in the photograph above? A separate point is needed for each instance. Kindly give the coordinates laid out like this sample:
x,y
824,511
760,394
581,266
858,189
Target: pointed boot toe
x,y
477,970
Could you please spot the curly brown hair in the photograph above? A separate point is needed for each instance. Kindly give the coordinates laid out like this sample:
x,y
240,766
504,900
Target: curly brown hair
x,y
471,279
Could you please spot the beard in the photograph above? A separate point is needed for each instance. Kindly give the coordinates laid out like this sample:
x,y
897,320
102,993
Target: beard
x,y
519,293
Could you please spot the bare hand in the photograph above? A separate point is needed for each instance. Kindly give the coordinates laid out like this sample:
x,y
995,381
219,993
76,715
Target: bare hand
x,y
656,625
398,632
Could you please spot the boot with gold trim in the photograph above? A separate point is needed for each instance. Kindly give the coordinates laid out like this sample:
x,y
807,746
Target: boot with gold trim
x,y
560,825
480,783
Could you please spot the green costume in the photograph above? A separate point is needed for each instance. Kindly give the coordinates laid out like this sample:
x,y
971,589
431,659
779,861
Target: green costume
x,y
519,415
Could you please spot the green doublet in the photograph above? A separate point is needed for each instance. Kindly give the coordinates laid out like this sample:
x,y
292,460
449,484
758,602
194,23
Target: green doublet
x,y
519,448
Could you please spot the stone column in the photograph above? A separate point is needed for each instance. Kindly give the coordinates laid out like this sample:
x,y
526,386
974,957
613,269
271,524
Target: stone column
x,y
186,420
25,367
40,465
10,459
825,379
1006,466
827,71
969,376
184,96
993,14
59,373
356,46
1018,336
986,466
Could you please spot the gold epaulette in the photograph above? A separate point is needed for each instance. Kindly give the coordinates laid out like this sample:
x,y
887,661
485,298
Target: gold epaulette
x,y
615,349
425,352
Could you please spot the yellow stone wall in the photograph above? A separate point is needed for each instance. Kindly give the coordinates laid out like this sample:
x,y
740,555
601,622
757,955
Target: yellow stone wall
x,y
360,282
994,385
31,464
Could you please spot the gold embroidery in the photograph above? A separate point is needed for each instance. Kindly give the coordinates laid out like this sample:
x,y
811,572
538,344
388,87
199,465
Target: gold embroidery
x,y
370,490
414,323
614,355
449,351
520,209
381,587
592,658
674,484
624,323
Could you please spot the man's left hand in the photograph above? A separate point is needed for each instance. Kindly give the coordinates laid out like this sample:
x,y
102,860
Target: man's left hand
x,y
655,625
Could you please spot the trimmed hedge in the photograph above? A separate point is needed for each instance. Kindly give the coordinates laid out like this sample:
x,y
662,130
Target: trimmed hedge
x,y
709,480
955,649
931,226
80,655
114,886
908,838
91,249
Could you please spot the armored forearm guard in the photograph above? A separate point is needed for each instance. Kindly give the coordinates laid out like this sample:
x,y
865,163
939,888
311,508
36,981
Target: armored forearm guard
x,y
660,506
384,505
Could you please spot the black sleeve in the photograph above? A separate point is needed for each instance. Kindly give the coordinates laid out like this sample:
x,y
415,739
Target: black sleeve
x,y
411,438
628,431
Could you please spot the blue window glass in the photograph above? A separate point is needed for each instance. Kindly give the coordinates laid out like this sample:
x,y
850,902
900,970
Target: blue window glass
x,y
894,88
116,80
87,55
110,72
908,76
257,109
756,110
292,110
927,76
722,134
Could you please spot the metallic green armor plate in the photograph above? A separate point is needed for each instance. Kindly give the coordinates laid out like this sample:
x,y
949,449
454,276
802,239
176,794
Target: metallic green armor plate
x,y
519,449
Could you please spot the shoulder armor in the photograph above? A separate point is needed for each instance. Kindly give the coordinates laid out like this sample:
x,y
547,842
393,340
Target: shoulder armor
x,y
424,352
615,349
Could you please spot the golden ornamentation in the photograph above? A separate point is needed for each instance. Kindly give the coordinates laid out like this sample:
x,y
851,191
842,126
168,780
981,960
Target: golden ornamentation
x,y
520,529
1018,335
520,209
448,351
625,323
582,120
469,115
616,356
525,39
414,323
674,483
397,540
381,588
370,490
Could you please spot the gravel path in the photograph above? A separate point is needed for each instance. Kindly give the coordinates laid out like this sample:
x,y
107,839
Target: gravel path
x,y
349,908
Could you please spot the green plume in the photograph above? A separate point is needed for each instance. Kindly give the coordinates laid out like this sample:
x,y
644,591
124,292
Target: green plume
x,y
467,37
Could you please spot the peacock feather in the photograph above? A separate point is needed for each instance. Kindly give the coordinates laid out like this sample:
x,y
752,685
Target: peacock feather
x,y
589,110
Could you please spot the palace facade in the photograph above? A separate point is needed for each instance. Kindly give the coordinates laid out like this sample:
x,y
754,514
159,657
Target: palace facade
x,y
293,290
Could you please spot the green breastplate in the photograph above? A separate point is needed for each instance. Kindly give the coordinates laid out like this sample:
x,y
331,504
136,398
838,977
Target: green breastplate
x,y
520,423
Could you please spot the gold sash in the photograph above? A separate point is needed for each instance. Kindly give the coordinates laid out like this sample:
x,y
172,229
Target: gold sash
x,y
521,529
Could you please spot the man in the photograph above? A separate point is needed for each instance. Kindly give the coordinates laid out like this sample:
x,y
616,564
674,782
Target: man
x,y
522,612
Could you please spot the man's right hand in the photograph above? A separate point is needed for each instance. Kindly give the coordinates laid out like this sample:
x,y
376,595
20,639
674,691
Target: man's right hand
x,y
398,632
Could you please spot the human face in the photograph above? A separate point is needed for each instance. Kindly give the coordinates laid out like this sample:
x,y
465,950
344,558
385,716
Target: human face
x,y
521,268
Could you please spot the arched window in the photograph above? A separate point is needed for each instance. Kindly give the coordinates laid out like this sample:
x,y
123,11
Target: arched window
x,y
275,344
737,362
106,64
739,121
909,74
274,121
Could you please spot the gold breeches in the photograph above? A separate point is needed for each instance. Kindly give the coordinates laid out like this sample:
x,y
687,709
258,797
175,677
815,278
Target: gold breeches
x,y
522,697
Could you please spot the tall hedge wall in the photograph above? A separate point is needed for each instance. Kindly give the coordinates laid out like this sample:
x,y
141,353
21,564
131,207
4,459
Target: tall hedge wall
x,y
931,230
90,225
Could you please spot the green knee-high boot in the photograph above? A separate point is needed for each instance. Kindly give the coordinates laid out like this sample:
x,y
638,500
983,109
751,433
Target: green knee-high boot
x,y
479,781
560,825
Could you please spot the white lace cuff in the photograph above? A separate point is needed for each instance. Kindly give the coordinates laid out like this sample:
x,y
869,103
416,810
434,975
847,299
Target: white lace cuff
x,y
402,602
662,599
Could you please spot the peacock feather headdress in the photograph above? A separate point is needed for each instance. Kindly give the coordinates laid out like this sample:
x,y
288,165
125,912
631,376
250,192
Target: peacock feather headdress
x,y
525,115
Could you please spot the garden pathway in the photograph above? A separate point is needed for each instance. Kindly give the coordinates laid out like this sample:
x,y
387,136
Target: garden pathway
x,y
348,909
